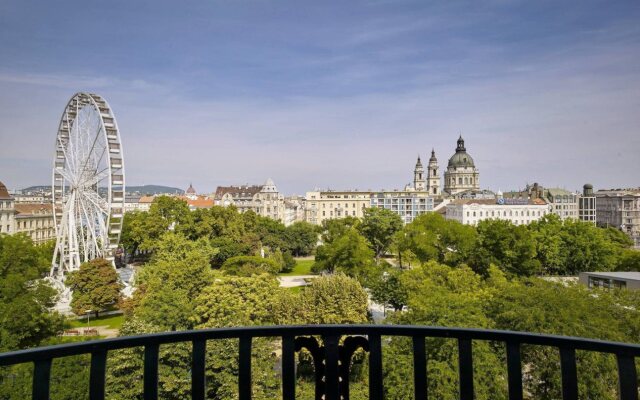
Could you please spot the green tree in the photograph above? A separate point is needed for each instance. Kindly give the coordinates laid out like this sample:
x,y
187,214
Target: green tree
x,y
439,295
588,248
388,290
349,253
510,247
430,237
331,299
550,247
25,299
166,213
95,286
333,229
134,231
301,238
629,260
379,227
252,265
169,283
534,305
239,301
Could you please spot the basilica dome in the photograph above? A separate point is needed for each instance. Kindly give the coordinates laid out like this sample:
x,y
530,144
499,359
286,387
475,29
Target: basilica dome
x,y
461,159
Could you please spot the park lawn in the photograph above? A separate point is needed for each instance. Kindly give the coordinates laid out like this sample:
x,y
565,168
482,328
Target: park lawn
x,y
303,267
296,289
111,322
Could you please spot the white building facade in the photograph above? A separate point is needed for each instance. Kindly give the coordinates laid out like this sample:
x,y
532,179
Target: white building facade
x,y
620,208
408,205
471,212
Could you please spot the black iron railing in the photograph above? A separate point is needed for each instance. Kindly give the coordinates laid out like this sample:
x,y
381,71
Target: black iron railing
x,y
331,358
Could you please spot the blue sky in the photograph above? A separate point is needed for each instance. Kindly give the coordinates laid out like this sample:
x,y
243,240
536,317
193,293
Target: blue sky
x,y
330,94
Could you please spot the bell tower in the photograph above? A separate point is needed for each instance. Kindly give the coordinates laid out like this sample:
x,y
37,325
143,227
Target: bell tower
x,y
433,184
419,180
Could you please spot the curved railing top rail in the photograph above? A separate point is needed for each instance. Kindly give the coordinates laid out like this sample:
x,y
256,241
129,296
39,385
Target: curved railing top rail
x,y
70,349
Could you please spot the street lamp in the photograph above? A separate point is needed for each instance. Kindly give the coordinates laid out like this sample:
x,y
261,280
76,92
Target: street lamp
x,y
88,314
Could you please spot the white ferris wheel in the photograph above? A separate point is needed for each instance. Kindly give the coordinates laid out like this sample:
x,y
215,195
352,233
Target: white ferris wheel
x,y
88,185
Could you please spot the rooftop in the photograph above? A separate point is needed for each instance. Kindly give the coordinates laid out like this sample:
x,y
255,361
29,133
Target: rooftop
x,y
27,209
633,275
4,193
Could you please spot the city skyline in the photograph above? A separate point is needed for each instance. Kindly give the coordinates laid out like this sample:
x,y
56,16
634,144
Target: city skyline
x,y
342,96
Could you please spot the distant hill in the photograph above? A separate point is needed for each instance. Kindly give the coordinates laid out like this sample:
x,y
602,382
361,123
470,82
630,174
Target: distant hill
x,y
145,189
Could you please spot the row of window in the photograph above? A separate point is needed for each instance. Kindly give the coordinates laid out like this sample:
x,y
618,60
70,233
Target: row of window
x,y
466,180
511,213
338,213
346,205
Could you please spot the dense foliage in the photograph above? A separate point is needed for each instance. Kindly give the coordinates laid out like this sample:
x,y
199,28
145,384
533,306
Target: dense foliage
x,y
25,320
232,233
95,287
24,297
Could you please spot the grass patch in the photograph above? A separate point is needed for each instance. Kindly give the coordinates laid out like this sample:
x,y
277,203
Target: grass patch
x,y
303,267
111,321
296,289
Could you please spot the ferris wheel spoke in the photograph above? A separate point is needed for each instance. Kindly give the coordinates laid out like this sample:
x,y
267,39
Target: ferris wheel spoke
x,y
89,153
99,176
90,218
97,201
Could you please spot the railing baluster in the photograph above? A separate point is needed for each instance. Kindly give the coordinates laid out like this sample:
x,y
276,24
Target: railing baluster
x,y
375,367
331,371
419,368
288,368
569,373
514,370
244,378
97,375
465,368
151,371
41,379
627,377
199,350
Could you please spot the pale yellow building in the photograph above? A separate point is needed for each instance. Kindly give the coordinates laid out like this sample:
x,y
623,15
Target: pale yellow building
x,y
330,204
36,221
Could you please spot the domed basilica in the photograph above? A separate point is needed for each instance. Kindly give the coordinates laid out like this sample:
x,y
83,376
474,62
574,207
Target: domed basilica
x,y
461,173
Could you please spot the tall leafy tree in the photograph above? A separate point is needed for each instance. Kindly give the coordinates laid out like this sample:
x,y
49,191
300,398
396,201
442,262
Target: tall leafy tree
x,y
629,260
510,247
134,231
379,227
25,299
166,213
95,286
301,238
348,253
169,283
431,237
